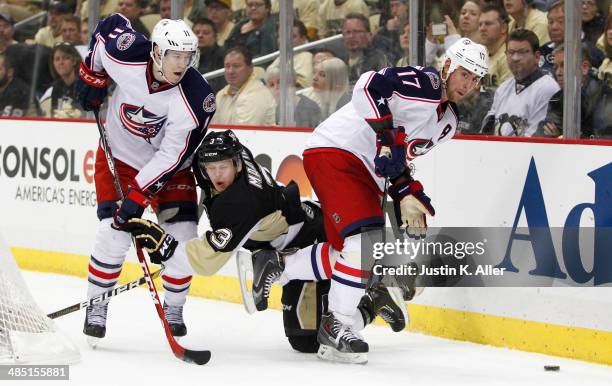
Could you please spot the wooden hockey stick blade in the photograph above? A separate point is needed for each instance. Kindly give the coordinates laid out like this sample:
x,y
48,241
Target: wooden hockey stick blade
x,y
106,295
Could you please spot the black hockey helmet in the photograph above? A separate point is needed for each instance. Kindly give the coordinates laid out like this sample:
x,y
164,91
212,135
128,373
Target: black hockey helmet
x,y
219,146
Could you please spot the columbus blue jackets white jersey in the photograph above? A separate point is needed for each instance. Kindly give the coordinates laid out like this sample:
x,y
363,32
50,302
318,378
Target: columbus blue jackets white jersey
x,y
153,127
393,97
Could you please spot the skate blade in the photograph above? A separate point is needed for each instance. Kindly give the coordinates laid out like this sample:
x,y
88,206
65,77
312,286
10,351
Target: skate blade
x,y
92,341
328,353
244,264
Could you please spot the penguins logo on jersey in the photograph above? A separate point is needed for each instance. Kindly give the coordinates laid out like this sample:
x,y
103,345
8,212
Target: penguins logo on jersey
x,y
141,122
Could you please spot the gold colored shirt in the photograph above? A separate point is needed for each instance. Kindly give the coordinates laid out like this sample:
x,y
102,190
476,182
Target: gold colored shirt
x,y
253,104
498,68
222,35
45,37
331,15
307,11
107,7
302,65
537,22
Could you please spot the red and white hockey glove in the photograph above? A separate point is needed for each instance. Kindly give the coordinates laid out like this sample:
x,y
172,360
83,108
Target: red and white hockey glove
x,y
411,206
390,160
133,206
91,88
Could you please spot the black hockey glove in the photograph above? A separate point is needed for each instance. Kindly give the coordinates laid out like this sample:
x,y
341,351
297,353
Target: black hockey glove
x,y
411,206
390,160
133,206
159,244
91,88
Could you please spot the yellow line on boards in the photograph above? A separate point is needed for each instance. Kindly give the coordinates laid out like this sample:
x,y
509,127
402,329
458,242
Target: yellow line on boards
x,y
564,341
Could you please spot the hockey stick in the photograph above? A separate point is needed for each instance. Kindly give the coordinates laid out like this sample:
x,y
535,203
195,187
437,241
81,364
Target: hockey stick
x,y
385,151
191,356
406,285
97,299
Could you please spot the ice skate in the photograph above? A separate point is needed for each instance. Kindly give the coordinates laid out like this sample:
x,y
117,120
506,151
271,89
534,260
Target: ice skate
x,y
267,268
174,316
339,343
95,323
388,302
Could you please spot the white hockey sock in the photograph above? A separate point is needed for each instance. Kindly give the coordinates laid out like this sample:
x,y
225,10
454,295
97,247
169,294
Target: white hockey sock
x,y
103,274
176,290
178,272
355,321
310,263
106,258
348,280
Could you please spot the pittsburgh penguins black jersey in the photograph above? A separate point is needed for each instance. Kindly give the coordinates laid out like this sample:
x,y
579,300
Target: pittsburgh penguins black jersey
x,y
254,207
253,212
256,212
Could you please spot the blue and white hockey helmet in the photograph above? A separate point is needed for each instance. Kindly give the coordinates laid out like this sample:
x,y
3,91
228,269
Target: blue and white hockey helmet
x,y
472,56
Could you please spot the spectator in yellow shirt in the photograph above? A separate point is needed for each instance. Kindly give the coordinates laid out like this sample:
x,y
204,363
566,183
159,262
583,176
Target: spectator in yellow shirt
x,y
333,12
51,34
524,15
302,61
220,12
493,27
107,8
245,100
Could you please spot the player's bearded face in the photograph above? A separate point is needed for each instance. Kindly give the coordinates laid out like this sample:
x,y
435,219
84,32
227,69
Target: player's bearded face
x,y
460,83
175,64
221,173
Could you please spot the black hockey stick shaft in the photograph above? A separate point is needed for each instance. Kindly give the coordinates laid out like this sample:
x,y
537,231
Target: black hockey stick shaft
x,y
191,356
97,299
375,279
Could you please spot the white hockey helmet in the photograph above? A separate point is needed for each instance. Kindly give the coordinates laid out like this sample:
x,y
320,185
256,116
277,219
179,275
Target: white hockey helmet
x,y
174,35
472,56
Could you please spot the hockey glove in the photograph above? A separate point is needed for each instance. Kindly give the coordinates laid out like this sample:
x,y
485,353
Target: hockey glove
x,y
390,160
159,244
91,88
411,205
133,206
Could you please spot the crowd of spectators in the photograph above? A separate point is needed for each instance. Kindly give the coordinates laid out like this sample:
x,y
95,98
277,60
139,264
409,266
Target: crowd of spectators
x,y
521,96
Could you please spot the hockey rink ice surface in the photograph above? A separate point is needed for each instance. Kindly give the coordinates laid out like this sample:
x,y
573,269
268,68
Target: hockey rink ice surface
x,y
252,350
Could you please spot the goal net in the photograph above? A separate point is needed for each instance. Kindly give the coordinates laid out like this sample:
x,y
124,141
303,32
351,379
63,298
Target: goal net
x,y
27,336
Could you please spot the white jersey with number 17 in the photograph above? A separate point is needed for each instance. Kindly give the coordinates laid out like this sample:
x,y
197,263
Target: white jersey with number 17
x,y
407,97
